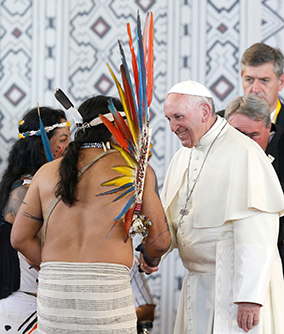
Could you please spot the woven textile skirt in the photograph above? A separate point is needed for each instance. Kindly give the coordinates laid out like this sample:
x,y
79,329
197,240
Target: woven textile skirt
x,y
85,298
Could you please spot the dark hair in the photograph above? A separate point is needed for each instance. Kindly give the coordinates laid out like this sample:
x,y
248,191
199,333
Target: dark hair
x,y
90,109
259,54
26,155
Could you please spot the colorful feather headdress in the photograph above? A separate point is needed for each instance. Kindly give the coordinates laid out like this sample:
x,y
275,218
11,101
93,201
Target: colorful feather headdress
x,y
42,131
133,136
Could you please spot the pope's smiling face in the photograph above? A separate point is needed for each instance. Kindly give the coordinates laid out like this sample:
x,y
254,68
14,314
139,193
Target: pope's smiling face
x,y
185,118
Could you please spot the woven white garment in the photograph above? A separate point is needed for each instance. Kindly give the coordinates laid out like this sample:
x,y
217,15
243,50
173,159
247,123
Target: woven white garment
x,y
85,298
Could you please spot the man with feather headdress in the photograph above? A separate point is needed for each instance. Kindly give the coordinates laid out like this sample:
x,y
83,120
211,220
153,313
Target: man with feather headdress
x,y
84,282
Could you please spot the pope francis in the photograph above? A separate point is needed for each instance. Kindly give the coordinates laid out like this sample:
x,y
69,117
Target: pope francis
x,y
223,201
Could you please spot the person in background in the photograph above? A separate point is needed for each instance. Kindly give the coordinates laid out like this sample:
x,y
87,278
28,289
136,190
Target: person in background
x,y
84,282
223,200
251,115
18,276
262,76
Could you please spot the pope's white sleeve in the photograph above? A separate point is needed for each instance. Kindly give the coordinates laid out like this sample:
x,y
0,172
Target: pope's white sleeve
x,y
255,240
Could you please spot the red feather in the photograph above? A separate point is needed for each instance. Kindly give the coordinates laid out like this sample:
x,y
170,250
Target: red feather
x,y
115,132
129,99
134,62
123,128
128,221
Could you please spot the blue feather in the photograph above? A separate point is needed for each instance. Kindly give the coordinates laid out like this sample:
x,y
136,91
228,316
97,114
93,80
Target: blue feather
x,y
128,78
44,138
125,193
113,191
140,50
125,208
140,91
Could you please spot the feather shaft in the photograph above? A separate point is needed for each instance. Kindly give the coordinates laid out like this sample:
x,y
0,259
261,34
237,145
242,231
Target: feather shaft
x,y
44,138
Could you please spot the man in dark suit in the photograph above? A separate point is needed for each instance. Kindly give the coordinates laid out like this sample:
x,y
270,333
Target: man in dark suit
x,y
262,76
251,115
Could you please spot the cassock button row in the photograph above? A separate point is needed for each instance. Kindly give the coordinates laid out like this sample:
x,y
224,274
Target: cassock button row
x,y
196,158
182,233
189,319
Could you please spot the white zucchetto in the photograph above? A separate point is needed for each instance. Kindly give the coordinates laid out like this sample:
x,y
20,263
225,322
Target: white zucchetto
x,y
190,88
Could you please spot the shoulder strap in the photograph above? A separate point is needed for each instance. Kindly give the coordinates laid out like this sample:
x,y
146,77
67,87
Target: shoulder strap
x,y
57,199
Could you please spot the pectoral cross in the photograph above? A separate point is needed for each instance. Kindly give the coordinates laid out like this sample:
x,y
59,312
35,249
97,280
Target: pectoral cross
x,y
184,212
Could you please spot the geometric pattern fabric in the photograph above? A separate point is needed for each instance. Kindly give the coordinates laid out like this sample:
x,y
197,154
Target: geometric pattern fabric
x,y
46,44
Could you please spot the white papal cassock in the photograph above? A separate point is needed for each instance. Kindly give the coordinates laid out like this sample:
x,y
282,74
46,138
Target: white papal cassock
x,y
228,241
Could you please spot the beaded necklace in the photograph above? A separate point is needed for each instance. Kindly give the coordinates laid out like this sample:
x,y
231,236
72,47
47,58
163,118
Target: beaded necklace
x,y
92,145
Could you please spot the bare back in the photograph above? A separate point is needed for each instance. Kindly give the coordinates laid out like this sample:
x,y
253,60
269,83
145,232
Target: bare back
x,y
79,233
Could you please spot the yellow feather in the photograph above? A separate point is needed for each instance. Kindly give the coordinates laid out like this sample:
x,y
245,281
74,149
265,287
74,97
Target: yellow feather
x,y
118,181
128,158
126,170
123,101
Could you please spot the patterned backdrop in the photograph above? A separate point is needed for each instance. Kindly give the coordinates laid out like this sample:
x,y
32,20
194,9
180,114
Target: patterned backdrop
x,y
46,44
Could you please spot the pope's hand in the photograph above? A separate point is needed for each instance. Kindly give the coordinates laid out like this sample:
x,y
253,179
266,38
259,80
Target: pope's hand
x,y
248,315
144,266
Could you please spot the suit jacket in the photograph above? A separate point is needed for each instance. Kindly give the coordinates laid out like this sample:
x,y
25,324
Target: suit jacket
x,y
275,148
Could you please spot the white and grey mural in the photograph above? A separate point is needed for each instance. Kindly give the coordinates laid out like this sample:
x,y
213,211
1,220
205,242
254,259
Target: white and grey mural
x,y
46,44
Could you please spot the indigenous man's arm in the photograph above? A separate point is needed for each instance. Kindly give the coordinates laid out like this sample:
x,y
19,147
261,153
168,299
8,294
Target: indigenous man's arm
x,y
28,222
159,238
